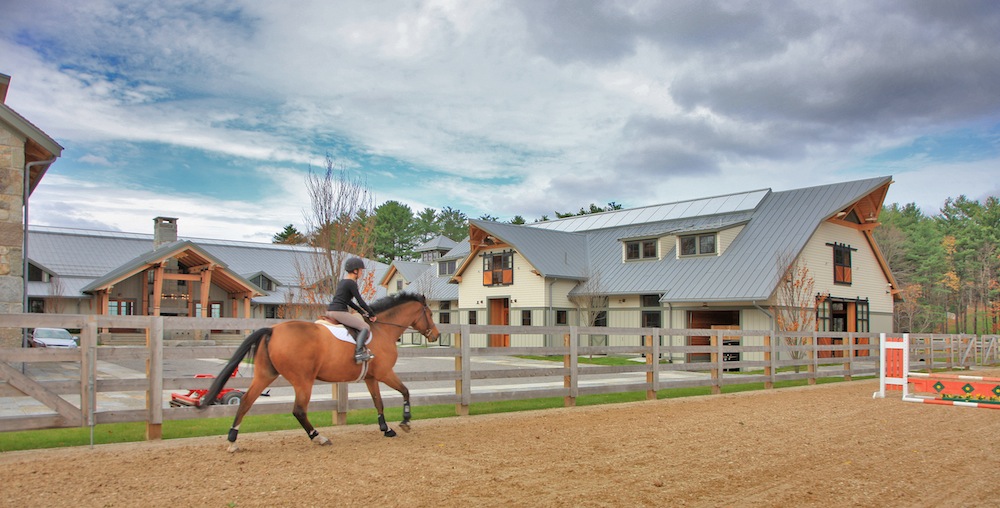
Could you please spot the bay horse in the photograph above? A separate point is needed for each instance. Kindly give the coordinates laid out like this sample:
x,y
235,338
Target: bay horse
x,y
303,352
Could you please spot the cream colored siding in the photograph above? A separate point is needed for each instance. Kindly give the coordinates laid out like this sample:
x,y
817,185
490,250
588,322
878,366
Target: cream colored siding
x,y
393,282
666,245
726,238
868,279
528,288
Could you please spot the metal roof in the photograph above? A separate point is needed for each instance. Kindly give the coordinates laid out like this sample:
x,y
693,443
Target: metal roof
x,y
725,204
748,270
554,254
439,242
89,255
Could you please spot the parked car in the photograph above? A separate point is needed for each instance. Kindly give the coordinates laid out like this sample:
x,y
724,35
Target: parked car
x,y
53,337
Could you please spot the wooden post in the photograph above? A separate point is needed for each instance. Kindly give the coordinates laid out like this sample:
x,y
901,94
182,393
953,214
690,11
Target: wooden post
x,y
813,357
340,395
569,363
88,370
463,365
848,355
651,362
715,341
154,374
768,364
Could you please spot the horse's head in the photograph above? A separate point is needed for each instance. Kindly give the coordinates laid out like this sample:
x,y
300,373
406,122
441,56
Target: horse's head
x,y
409,311
425,323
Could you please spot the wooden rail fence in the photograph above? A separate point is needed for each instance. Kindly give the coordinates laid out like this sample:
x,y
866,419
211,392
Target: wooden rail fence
x,y
761,356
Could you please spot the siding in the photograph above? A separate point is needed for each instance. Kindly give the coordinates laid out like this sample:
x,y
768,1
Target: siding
x,y
867,277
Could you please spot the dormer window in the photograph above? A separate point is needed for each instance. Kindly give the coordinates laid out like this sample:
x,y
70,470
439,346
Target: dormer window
x,y
640,249
446,267
698,245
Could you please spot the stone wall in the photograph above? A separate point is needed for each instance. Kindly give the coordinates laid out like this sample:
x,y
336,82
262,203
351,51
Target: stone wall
x,y
11,231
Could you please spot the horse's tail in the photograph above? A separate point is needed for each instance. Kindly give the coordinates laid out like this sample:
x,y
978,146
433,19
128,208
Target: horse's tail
x,y
247,348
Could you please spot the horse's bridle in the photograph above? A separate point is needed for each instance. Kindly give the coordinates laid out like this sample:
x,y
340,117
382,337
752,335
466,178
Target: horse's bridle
x,y
427,320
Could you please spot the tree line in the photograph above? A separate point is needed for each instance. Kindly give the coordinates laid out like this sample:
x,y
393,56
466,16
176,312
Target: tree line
x,y
945,265
397,230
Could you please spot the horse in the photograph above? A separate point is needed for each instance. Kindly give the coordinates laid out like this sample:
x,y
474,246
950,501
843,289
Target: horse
x,y
304,351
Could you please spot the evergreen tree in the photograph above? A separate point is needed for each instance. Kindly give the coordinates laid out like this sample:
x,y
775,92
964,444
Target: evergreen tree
x,y
394,232
289,235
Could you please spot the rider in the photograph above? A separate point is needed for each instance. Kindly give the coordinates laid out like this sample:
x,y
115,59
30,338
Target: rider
x,y
346,296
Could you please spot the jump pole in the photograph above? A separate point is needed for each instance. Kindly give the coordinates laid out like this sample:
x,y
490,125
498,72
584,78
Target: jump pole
x,y
894,374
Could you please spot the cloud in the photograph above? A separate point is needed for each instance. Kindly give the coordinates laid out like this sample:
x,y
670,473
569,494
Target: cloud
x,y
517,107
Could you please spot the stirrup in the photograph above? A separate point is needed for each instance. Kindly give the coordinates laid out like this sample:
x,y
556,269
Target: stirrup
x,y
363,356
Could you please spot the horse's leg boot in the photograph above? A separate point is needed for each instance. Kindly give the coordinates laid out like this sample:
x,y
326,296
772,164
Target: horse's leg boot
x,y
361,354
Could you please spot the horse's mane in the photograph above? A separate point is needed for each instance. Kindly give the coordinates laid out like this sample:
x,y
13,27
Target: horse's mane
x,y
388,302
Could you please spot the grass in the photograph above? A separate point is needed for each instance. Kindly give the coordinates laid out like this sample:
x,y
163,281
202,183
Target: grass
x,y
136,431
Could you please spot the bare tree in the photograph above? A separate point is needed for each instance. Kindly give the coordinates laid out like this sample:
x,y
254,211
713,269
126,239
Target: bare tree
x,y
57,293
794,302
591,304
341,223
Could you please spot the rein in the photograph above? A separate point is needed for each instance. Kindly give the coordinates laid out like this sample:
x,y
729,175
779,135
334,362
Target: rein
x,y
424,332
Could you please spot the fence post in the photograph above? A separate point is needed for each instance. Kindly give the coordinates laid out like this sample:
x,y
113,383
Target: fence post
x,y
339,393
715,358
463,364
154,374
848,355
768,363
570,364
814,356
88,373
651,365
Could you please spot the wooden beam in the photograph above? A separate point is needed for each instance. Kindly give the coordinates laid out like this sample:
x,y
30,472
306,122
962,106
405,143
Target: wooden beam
x,y
33,389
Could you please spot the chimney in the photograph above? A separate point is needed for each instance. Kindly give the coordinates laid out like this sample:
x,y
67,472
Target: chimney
x,y
164,231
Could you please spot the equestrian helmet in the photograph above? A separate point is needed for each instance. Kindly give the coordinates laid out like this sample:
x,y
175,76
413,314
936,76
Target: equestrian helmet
x,y
354,264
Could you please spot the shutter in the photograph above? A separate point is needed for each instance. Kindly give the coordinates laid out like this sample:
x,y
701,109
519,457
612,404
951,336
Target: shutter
x,y
508,276
487,278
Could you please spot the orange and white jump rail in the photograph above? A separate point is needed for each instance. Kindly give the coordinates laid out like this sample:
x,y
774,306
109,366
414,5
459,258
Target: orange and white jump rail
x,y
946,389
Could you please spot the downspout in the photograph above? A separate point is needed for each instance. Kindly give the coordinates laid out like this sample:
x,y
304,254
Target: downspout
x,y
24,242
670,325
551,319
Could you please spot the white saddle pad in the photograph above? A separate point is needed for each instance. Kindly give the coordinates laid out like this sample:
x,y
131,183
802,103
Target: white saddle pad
x,y
340,332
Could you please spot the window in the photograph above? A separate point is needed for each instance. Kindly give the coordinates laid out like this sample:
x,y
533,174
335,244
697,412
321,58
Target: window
x,y
498,268
841,263
121,307
399,284
444,317
698,245
214,309
601,318
271,311
472,317
640,249
446,267
525,318
562,317
263,283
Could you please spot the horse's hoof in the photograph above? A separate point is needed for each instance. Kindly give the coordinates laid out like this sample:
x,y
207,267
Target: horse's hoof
x,y
390,433
405,426
233,448
322,441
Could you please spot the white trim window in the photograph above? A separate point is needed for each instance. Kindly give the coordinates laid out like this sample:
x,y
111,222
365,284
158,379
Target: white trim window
x,y
636,250
702,244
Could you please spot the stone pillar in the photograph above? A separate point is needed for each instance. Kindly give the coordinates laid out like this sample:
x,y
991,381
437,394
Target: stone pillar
x,y
11,231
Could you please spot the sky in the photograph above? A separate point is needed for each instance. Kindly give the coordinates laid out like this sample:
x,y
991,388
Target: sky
x,y
214,112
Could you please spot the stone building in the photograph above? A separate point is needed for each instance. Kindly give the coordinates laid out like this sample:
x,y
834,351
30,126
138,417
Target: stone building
x,y
25,155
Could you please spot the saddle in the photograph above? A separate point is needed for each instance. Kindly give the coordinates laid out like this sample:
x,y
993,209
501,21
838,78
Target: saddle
x,y
329,320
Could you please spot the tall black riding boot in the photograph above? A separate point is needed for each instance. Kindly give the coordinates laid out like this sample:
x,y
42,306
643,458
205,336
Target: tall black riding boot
x,y
360,353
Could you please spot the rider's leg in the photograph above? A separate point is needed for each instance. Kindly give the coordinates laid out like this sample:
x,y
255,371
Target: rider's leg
x,y
361,354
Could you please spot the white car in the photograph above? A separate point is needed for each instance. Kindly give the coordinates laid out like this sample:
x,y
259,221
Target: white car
x,y
53,337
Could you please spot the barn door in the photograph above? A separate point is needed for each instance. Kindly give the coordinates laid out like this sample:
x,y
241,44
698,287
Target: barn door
x,y
499,315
